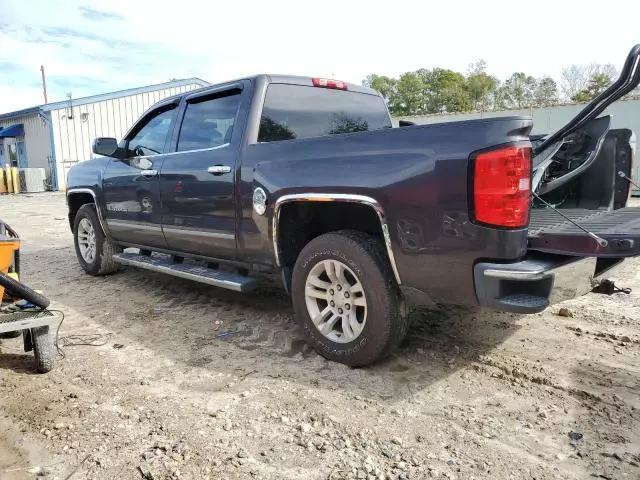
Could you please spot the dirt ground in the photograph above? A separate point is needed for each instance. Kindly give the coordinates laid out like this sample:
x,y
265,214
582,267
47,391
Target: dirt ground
x,y
172,394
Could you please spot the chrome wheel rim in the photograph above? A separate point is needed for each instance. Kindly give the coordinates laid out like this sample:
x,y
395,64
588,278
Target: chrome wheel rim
x,y
87,240
336,301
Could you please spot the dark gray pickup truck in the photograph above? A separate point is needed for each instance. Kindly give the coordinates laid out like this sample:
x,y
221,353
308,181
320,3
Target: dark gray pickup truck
x,y
307,177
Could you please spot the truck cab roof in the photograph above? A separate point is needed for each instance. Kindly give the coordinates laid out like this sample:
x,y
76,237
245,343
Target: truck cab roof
x,y
276,78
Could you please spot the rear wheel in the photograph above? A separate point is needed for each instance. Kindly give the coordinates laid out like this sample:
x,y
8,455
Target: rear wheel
x,y
346,298
93,249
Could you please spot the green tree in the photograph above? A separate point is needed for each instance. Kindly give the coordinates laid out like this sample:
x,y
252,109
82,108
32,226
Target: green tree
x,y
384,85
519,90
546,92
408,95
597,84
498,97
444,91
577,80
480,86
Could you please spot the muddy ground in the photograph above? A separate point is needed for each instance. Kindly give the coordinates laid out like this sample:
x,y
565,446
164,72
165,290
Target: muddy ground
x,y
469,395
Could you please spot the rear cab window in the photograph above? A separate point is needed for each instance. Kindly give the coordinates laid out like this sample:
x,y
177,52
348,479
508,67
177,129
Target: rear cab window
x,y
298,111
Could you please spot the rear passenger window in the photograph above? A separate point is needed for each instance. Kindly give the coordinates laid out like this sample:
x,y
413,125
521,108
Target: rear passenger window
x,y
297,111
208,121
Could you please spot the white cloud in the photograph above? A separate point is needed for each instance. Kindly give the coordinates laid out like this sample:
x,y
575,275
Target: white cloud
x,y
18,97
144,42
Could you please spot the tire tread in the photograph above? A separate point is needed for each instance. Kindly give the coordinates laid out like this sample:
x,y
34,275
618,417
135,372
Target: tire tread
x,y
373,255
105,248
42,348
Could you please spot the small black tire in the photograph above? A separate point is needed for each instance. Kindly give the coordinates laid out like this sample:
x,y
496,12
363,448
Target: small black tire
x,y
103,263
20,290
43,348
386,323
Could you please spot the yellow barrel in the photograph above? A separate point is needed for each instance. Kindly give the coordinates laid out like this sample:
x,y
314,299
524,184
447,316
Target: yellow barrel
x,y
9,179
14,179
3,185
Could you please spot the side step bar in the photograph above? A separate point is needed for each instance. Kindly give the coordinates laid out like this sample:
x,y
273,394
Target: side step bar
x,y
196,273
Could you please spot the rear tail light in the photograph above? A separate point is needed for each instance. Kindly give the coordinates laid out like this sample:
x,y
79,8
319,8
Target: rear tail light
x,y
329,83
502,187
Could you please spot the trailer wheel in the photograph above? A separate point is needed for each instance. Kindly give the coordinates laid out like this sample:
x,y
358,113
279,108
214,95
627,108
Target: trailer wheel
x,y
42,348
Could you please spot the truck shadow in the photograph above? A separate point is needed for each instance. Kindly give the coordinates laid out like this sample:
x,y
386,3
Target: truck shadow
x,y
208,327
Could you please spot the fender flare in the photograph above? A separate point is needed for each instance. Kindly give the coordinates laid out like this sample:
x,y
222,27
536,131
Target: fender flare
x,y
335,197
103,223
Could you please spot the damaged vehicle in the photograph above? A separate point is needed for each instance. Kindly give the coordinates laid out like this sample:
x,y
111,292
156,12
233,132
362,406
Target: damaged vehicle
x,y
305,177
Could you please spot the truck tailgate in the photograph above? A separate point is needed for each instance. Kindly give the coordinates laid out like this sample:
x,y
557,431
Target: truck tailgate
x,y
552,233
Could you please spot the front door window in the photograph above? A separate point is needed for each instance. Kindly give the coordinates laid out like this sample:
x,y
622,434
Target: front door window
x,y
150,139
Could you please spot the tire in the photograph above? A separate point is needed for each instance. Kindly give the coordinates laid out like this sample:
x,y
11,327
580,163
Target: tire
x,y
20,290
42,348
384,325
102,262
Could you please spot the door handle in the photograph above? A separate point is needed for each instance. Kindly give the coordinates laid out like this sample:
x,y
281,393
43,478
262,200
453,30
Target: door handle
x,y
219,169
149,173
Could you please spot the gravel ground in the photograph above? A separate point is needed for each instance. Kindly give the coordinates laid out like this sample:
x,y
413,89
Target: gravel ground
x,y
469,395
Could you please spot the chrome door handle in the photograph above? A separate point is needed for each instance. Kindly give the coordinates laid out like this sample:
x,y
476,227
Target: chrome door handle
x,y
149,173
219,169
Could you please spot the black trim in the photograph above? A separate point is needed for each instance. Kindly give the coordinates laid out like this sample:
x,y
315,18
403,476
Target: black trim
x,y
213,91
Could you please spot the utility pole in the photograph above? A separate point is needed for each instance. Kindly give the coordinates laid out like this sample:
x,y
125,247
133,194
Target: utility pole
x,y
44,84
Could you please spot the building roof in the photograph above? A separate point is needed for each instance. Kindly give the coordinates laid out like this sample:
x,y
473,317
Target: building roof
x,y
105,96
20,113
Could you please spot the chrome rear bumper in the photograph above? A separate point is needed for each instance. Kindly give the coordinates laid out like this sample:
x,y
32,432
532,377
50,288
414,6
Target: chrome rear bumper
x,y
531,285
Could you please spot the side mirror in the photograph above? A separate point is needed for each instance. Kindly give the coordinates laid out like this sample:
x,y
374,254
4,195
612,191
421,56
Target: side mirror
x,y
106,146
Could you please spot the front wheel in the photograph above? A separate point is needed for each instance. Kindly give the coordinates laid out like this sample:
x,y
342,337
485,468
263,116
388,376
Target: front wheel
x,y
93,249
346,298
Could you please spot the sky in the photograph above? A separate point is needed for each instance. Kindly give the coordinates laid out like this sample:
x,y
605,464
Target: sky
x,y
90,47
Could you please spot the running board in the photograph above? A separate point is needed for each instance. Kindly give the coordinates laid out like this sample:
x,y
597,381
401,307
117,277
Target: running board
x,y
196,273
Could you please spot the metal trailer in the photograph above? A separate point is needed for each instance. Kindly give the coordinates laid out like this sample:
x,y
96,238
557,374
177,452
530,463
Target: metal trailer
x,y
36,325
37,334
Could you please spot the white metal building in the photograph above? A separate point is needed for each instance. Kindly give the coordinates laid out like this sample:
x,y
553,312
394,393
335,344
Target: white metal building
x,y
56,136
624,114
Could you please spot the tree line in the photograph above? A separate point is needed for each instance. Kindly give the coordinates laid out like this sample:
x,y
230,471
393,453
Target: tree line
x,y
439,90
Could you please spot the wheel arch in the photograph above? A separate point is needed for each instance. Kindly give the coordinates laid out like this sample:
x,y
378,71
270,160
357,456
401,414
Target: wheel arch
x,y
76,198
370,207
